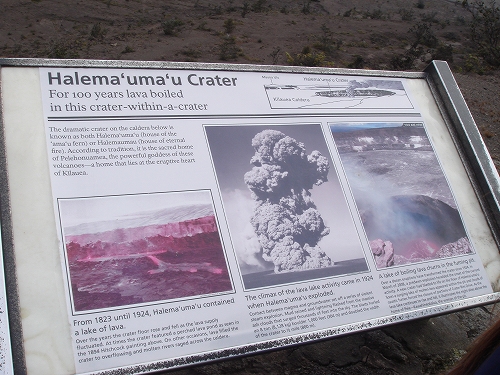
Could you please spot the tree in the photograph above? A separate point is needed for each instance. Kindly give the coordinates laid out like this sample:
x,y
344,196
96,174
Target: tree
x,y
485,29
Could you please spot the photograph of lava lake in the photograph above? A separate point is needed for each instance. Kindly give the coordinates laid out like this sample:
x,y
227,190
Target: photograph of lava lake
x,y
286,210
134,249
406,205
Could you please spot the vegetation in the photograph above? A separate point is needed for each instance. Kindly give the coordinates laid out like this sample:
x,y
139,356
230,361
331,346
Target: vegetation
x,y
97,32
171,26
65,50
358,63
407,14
128,49
275,54
423,34
228,50
485,29
191,53
229,26
425,45
406,60
326,43
259,6
308,58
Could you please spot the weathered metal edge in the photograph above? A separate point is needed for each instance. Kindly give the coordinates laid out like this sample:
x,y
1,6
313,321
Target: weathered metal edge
x,y
9,260
30,62
468,142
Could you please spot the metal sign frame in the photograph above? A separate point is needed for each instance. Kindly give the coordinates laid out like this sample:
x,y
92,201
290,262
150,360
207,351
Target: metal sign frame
x,y
455,114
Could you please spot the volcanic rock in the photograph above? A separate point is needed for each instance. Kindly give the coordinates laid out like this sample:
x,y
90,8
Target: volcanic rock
x,y
384,253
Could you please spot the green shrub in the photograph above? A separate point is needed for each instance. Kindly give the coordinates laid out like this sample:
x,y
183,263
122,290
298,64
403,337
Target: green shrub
x,y
406,14
230,6
358,63
203,27
430,17
97,32
275,55
306,7
376,14
259,6
379,40
350,12
171,26
191,53
485,30
406,61
443,52
245,9
460,20
422,34
452,36
308,58
229,26
65,50
216,10
228,50
474,64
128,49
325,41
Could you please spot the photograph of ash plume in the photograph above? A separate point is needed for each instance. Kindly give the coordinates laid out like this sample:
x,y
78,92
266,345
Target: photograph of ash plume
x,y
404,200
287,213
131,249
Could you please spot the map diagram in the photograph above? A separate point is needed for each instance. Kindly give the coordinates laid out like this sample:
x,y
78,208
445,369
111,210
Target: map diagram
x,y
339,94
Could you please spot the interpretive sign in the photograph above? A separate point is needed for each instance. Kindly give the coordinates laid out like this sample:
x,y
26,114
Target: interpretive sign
x,y
188,212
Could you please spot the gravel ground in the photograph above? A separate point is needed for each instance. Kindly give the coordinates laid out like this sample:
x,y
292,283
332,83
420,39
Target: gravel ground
x,y
482,94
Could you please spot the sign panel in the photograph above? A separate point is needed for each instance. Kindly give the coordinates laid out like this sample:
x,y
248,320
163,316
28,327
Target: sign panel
x,y
199,211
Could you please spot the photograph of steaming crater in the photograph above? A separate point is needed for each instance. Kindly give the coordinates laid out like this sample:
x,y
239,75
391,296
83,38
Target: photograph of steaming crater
x,y
406,205
132,249
287,213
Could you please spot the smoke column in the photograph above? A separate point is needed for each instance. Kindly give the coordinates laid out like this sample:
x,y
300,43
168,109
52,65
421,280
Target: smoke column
x,y
286,221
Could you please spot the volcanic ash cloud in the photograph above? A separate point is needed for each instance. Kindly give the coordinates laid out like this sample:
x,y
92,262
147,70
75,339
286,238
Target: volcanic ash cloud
x,y
286,221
